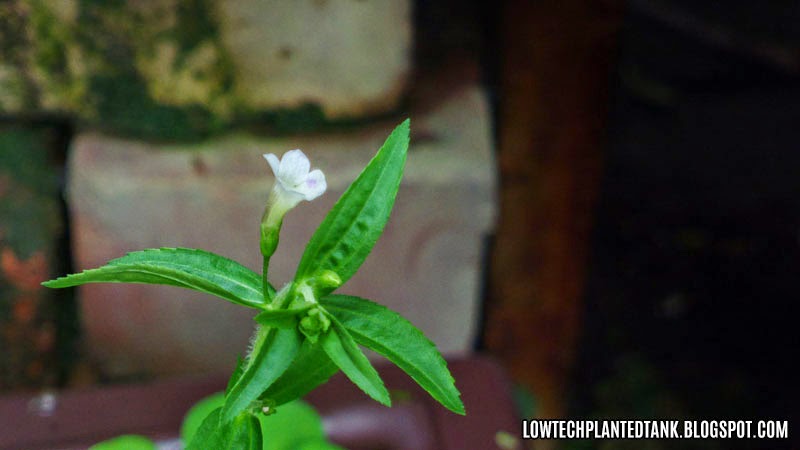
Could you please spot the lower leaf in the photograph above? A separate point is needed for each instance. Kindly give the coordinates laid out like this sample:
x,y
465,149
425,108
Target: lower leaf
x,y
274,351
310,369
344,352
380,329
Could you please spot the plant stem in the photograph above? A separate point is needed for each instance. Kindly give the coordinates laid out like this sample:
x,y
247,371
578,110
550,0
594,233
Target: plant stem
x,y
264,281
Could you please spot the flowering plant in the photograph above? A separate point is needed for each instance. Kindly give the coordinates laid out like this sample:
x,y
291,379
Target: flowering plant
x,y
304,332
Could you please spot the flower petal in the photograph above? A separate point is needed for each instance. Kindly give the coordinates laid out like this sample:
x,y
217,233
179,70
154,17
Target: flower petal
x,y
274,163
294,168
314,185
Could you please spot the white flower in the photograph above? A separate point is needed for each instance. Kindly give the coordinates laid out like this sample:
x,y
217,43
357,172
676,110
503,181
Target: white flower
x,y
293,176
294,183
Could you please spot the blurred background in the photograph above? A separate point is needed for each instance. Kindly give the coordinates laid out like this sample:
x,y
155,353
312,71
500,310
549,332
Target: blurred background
x,y
604,196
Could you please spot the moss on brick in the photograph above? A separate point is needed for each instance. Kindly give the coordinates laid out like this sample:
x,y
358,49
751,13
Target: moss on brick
x,y
117,96
29,214
153,70
17,90
195,24
123,106
30,227
53,60
305,118
50,53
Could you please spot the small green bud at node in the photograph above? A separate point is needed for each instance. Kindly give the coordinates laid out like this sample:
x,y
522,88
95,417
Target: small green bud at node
x,y
328,279
314,323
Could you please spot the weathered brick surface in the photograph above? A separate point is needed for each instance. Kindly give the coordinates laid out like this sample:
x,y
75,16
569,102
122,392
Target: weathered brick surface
x,y
127,195
182,69
352,58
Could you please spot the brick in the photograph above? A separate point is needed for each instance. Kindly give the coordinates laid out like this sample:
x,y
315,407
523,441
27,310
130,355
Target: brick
x,y
126,195
184,69
351,58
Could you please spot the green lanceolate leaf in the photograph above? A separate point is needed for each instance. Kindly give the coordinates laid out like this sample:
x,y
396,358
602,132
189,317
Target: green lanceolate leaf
x,y
310,369
380,329
210,431
281,318
273,352
237,373
344,352
351,228
187,268
243,433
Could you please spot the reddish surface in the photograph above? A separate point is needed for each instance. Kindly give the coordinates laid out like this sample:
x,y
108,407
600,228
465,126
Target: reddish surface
x,y
353,420
553,101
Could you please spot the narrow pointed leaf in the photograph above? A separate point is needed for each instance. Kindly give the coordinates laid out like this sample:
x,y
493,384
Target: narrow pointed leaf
x,y
351,228
269,360
380,329
344,352
237,373
310,369
187,268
